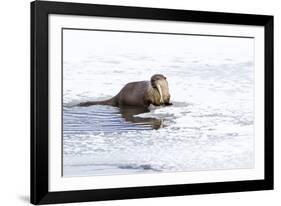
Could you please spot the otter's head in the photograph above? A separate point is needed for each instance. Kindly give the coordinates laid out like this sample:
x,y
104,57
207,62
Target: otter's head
x,y
160,83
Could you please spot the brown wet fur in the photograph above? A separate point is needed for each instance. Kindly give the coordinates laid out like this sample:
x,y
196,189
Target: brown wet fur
x,y
140,94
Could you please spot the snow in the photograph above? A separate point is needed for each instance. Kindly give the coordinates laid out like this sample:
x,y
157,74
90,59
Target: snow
x,y
210,125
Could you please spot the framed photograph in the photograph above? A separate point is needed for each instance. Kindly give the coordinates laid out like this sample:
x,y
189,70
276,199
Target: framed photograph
x,y
131,102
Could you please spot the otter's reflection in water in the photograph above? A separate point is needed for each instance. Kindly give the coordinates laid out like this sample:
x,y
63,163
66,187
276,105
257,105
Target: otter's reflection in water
x,y
100,118
129,114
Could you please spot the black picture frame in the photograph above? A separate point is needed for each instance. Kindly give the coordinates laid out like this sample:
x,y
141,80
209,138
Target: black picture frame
x,y
40,113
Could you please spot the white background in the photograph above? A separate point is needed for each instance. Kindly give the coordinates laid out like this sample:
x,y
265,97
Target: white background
x,y
14,108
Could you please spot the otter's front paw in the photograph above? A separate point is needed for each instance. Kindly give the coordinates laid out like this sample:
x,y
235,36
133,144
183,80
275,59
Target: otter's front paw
x,y
168,104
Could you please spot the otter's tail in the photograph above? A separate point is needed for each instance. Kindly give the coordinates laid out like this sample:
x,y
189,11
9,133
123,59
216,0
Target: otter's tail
x,y
110,102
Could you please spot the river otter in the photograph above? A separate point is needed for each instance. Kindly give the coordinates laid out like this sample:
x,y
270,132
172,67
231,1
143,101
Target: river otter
x,y
141,94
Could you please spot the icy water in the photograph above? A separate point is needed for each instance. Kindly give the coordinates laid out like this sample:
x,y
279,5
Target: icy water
x,y
209,126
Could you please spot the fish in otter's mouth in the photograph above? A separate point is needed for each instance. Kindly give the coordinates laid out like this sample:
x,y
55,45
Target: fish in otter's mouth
x,y
160,92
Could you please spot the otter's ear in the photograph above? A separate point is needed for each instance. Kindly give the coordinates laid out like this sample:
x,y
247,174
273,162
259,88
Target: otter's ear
x,y
165,78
